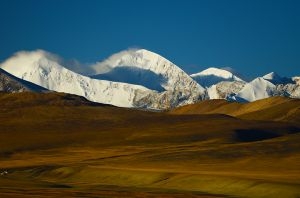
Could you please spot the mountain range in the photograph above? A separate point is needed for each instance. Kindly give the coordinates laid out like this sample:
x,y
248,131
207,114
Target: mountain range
x,y
137,78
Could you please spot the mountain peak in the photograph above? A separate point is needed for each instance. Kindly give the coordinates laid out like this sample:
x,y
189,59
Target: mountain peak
x,y
274,78
145,51
213,76
217,72
24,62
140,58
258,88
271,76
144,66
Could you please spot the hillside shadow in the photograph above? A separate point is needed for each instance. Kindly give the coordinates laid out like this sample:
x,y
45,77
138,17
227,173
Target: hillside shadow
x,y
252,135
134,75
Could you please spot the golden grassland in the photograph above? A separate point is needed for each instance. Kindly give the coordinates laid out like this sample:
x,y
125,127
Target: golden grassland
x,y
60,145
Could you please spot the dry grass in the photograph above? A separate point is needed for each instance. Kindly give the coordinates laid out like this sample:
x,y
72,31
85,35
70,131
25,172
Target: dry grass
x,y
61,145
274,108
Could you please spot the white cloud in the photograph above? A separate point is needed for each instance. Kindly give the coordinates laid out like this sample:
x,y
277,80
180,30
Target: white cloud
x,y
230,69
28,57
107,64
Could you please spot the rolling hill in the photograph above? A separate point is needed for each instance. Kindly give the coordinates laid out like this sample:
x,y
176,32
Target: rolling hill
x,y
273,108
57,144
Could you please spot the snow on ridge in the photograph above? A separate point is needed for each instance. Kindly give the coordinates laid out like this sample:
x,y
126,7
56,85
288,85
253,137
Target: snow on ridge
x,y
145,60
213,76
217,72
172,87
41,68
47,70
258,88
271,76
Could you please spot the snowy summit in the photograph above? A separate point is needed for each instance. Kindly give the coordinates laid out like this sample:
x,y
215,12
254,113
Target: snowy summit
x,y
212,75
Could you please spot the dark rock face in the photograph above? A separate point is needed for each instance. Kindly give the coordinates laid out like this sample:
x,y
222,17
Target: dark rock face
x,y
12,84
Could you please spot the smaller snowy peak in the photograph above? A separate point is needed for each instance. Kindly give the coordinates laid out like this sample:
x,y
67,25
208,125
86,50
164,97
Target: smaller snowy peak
x,y
212,71
258,88
274,78
212,76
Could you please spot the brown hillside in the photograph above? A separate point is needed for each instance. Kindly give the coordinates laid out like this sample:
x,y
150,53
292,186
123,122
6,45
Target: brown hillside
x,y
61,145
274,108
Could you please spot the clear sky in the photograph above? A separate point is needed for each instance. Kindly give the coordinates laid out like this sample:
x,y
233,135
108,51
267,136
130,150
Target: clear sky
x,y
251,36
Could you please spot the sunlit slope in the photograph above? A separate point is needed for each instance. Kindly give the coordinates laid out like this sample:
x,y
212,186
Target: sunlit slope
x,y
274,108
64,118
62,145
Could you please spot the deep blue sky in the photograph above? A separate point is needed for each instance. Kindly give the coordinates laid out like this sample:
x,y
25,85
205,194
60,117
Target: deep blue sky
x,y
252,36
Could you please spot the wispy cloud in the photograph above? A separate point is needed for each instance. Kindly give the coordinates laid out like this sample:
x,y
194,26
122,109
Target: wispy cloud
x,y
29,57
107,64
230,69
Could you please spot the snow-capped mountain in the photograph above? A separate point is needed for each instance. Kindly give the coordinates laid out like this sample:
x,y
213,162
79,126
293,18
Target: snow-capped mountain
x,y
11,84
274,78
269,85
212,76
234,89
148,69
138,79
155,72
41,68
219,83
44,69
258,88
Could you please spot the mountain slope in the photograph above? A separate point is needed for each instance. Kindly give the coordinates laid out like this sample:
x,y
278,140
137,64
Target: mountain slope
x,y
273,108
145,64
258,88
45,69
276,79
225,89
9,83
153,71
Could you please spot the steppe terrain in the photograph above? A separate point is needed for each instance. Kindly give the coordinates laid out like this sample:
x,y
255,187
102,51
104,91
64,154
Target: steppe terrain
x,y
60,145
